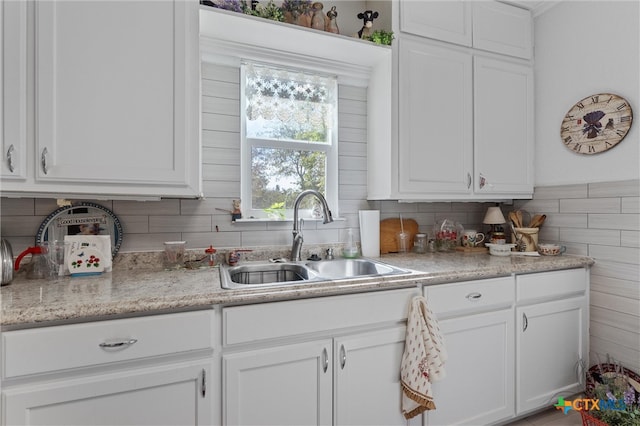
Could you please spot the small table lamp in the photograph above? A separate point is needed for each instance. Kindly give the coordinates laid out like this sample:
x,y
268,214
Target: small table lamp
x,y
494,217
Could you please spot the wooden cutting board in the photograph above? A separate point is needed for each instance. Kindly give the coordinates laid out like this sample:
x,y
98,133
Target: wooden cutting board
x,y
389,228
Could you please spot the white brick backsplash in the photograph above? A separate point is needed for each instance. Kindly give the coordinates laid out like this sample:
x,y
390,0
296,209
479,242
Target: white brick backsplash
x,y
221,189
148,242
617,319
629,339
220,89
561,192
590,236
137,224
223,106
631,205
224,123
20,226
624,288
220,72
630,222
350,106
352,149
221,156
538,206
162,207
352,135
616,303
220,172
615,254
630,238
352,92
566,220
217,239
180,224
17,207
590,205
630,188
616,270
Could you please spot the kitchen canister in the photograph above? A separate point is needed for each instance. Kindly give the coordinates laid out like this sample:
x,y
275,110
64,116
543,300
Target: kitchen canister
x,y
526,237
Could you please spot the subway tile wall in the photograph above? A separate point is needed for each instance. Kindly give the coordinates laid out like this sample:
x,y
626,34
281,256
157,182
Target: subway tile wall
x,y
601,220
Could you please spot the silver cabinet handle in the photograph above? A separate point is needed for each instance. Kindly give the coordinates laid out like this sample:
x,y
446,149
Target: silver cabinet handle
x,y
43,161
120,344
10,152
473,296
325,357
525,322
343,357
468,180
204,383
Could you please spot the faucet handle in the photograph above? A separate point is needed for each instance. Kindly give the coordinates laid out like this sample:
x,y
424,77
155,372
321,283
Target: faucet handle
x,y
329,253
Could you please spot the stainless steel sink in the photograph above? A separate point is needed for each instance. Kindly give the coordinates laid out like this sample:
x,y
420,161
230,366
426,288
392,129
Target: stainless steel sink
x,y
350,268
267,274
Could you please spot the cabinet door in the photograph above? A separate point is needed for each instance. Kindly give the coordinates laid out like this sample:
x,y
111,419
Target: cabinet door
x,y
284,385
502,28
168,395
435,120
367,388
503,127
441,20
118,94
13,88
552,342
478,388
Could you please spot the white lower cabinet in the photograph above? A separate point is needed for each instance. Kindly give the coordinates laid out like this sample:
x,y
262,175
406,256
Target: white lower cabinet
x,y
476,320
171,395
552,338
136,371
348,374
478,388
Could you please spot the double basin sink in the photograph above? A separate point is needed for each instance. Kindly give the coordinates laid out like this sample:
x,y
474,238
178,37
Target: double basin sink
x,y
270,274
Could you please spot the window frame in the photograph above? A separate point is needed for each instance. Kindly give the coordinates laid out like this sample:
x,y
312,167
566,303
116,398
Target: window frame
x,y
330,148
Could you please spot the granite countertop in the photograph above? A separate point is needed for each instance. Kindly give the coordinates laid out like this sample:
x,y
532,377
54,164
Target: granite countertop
x,y
136,289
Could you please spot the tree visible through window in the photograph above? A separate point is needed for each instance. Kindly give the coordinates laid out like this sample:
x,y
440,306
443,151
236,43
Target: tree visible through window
x,y
289,137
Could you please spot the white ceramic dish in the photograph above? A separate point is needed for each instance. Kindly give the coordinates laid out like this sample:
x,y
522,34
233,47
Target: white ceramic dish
x,y
500,249
550,249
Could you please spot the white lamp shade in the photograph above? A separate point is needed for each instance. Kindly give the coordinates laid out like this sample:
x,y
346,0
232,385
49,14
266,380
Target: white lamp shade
x,y
494,216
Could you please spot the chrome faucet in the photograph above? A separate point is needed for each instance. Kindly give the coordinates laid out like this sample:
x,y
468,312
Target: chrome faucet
x,y
296,248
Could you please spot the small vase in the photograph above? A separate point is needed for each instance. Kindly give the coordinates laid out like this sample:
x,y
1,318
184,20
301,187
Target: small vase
x,y
317,20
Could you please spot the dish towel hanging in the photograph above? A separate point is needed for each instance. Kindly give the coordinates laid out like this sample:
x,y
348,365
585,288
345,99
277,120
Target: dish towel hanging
x,y
423,359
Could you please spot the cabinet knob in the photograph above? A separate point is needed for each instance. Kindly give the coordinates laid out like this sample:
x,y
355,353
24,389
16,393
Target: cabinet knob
x,y
10,152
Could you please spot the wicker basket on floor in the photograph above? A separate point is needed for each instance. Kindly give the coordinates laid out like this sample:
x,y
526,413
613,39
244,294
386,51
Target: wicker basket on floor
x,y
589,420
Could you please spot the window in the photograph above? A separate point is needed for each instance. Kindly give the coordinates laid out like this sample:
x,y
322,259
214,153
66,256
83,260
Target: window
x,y
289,139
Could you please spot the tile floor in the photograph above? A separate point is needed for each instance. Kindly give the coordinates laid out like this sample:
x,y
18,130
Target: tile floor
x,y
550,417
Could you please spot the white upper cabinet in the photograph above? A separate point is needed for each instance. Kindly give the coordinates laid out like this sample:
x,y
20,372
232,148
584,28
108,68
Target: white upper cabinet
x,y
503,127
487,25
435,120
116,99
13,87
501,28
448,21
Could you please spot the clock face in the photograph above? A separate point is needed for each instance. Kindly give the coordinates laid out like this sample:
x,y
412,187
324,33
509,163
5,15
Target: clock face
x,y
596,123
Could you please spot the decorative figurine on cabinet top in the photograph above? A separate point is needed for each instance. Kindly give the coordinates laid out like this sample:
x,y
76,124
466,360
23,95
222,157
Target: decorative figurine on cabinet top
x,y
332,23
367,19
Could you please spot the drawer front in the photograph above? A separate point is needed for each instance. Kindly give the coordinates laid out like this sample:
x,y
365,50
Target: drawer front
x,y
79,345
244,324
544,285
469,296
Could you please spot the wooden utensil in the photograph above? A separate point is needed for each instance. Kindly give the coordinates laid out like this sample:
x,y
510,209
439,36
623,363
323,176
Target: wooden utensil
x,y
517,221
537,221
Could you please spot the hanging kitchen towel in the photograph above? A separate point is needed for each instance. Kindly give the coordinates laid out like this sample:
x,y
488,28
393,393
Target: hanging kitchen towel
x,y
423,359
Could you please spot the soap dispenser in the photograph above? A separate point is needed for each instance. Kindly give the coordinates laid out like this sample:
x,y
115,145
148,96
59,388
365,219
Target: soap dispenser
x,y
350,249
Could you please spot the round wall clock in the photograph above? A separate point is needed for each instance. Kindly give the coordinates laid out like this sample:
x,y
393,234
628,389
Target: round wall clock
x,y
596,123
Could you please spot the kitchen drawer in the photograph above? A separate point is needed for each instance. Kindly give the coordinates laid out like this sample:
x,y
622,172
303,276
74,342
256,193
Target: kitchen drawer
x,y
245,324
551,285
63,347
469,296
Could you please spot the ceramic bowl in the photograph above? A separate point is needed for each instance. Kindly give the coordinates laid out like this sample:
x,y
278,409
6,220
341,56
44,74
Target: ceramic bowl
x,y
550,249
500,249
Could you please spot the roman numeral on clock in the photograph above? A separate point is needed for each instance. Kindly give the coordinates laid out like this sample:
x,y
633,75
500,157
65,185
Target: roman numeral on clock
x,y
625,118
621,106
594,99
